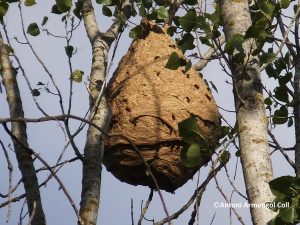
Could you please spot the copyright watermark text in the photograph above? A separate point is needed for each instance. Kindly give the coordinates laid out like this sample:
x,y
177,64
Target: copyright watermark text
x,y
269,205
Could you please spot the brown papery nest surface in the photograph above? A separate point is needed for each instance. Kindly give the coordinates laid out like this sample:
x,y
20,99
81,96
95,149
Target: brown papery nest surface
x,y
148,101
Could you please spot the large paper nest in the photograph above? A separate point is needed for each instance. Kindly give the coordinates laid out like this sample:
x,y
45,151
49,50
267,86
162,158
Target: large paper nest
x,y
148,101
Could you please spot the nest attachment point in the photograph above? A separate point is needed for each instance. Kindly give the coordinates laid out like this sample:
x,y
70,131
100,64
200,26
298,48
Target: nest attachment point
x,y
148,101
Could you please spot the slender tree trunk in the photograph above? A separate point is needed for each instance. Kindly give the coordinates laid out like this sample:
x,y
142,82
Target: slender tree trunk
x,y
297,100
100,112
251,118
93,150
18,129
297,114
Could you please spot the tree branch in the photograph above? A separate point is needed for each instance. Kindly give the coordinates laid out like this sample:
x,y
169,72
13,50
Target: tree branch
x,y
24,159
100,114
207,55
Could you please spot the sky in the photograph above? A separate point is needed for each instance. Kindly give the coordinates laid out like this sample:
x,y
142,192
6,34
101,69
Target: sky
x,y
48,140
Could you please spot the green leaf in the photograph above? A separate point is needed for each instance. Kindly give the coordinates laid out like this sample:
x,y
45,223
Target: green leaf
x,y
281,185
104,2
271,71
285,3
186,42
55,10
190,2
29,2
69,50
258,29
283,80
189,21
224,157
3,9
268,101
296,184
147,3
160,2
77,76
276,221
281,93
206,41
78,9
290,122
35,92
280,65
188,66
280,116
173,62
189,131
45,19
33,29
203,25
63,5
224,131
171,30
266,7
142,11
194,155
234,42
136,32
289,215
106,11
213,86
267,57
162,13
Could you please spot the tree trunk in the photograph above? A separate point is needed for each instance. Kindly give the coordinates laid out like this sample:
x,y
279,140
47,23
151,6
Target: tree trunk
x,y
297,114
100,112
251,118
93,150
297,99
18,129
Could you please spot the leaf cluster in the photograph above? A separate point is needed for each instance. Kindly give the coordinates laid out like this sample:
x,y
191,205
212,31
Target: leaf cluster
x,y
196,150
282,97
286,190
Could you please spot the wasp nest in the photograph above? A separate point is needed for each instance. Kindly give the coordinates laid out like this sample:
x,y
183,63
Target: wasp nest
x,y
148,101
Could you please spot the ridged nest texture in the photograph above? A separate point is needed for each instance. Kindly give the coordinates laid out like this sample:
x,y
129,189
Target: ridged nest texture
x,y
148,101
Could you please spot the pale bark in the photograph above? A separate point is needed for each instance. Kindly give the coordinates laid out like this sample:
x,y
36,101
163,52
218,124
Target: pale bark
x,y
94,147
207,57
251,118
18,129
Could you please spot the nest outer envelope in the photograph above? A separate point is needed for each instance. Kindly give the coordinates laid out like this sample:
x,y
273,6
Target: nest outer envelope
x,y
148,101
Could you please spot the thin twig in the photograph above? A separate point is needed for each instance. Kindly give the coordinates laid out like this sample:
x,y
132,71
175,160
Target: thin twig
x,y
145,208
30,151
281,150
39,59
285,37
22,70
226,199
18,198
63,117
198,192
233,186
131,212
208,55
10,188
